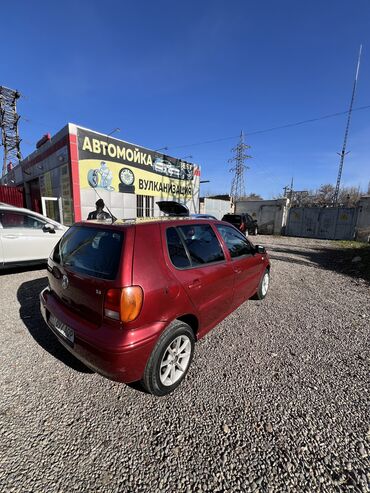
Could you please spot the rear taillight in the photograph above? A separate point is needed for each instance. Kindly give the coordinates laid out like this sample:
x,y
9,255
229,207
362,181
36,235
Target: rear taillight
x,y
123,304
112,303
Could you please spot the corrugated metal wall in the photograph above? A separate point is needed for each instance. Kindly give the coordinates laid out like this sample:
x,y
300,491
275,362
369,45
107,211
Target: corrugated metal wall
x,y
330,223
12,195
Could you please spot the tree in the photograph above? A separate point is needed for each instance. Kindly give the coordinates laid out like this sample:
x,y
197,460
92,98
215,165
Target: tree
x,y
349,196
324,195
252,196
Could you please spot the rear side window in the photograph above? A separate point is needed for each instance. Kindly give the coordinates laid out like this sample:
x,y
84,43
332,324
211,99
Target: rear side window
x,y
201,243
95,252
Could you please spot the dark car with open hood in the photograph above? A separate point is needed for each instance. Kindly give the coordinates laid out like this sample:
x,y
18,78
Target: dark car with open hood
x,y
130,299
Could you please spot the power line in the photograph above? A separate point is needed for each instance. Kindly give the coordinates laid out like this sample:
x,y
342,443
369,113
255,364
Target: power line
x,y
271,129
256,132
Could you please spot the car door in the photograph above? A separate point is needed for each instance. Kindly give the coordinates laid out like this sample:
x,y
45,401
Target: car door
x,y
1,247
246,264
199,264
23,237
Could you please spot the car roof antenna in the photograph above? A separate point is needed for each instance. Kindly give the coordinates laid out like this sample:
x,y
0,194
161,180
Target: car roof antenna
x,y
114,219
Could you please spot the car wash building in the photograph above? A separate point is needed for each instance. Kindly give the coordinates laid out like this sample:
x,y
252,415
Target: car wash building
x,y
69,172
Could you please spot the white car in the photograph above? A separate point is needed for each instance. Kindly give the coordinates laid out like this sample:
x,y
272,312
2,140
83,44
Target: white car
x,y
26,237
160,165
174,172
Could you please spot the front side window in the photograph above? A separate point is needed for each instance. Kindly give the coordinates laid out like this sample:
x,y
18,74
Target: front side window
x,y
20,220
91,251
201,243
237,244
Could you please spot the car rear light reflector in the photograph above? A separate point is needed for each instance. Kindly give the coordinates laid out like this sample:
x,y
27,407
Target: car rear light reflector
x,y
131,302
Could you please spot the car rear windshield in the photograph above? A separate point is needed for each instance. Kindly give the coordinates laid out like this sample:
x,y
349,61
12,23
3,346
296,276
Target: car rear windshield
x,y
92,251
230,218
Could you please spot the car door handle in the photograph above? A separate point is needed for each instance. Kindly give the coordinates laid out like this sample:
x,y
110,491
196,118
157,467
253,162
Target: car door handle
x,y
11,237
238,271
195,284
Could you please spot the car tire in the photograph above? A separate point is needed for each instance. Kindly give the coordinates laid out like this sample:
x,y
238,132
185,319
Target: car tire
x,y
170,359
255,231
93,178
263,286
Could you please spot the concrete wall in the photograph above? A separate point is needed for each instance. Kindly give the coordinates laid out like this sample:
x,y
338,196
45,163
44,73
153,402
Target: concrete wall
x,y
362,229
215,207
271,215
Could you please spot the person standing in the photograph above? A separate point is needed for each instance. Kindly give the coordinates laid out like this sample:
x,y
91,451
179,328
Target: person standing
x,y
99,213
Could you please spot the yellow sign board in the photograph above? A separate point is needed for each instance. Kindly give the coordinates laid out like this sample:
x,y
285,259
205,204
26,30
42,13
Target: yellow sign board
x,y
117,177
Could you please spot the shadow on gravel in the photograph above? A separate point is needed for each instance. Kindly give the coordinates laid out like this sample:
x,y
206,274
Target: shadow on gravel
x,y
334,258
28,297
25,268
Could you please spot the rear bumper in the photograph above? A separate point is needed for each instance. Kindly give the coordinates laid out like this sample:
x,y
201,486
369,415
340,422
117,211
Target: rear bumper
x,y
118,354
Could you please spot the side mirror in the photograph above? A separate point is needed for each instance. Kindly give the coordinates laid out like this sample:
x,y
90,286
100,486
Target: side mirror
x,y
260,249
48,228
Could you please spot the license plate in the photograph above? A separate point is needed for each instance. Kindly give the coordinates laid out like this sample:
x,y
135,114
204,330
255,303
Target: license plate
x,y
62,328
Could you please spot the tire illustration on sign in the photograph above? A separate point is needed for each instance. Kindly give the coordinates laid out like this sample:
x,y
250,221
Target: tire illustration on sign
x,y
100,177
127,178
93,178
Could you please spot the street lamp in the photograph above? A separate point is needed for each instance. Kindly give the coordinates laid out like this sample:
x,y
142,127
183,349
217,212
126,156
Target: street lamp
x,y
117,129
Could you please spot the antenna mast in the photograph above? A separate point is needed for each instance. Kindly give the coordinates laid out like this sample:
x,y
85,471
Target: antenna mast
x,y
238,185
343,153
9,127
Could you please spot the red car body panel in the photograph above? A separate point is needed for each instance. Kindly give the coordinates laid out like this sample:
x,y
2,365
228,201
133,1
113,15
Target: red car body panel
x,y
205,295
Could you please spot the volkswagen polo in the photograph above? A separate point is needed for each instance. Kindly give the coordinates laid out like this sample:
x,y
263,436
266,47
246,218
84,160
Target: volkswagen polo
x,y
130,299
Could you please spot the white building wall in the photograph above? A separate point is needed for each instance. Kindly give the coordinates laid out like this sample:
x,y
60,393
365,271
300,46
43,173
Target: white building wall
x,y
270,214
216,207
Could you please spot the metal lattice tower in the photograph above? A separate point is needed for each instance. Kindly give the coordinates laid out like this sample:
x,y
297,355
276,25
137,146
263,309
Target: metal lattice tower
x,y
343,153
238,185
9,127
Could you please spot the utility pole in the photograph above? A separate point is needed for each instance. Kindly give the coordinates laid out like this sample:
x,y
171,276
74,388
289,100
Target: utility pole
x,y
343,153
291,191
237,184
9,127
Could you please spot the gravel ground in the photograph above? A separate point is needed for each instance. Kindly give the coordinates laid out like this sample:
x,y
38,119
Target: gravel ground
x,y
277,398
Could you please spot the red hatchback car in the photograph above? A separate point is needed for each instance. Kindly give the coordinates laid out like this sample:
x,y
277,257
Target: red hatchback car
x,y
130,299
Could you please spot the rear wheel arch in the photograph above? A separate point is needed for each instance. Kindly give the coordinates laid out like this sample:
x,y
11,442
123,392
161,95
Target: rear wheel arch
x,y
192,321
166,365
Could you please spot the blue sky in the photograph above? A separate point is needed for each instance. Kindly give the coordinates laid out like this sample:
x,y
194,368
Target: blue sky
x,y
176,73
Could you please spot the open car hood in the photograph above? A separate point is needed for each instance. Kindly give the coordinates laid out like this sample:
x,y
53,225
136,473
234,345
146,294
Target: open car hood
x,y
173,208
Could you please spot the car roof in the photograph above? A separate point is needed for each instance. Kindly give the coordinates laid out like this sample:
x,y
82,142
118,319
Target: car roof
x,y
203,216
144,220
